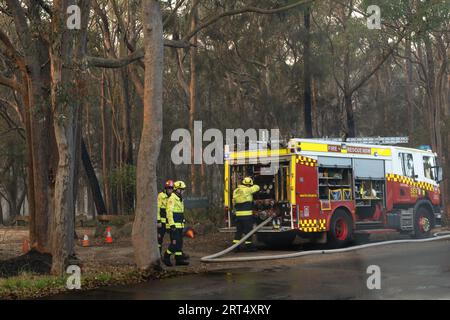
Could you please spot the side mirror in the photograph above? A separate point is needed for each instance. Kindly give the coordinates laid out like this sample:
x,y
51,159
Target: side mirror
x,y
439,174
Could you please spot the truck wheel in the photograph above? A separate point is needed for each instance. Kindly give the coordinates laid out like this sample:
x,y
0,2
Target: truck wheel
x,y
341,230
277,240
422,223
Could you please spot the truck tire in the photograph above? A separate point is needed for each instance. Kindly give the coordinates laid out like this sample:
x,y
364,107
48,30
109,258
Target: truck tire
x,y
277,240
341,230
423,222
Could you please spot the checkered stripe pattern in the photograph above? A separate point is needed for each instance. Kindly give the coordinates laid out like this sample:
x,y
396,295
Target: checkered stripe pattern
x,y
312,225
409,181
305,161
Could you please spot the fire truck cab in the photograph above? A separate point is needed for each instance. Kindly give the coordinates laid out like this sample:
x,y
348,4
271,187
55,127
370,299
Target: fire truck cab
x,y
334,191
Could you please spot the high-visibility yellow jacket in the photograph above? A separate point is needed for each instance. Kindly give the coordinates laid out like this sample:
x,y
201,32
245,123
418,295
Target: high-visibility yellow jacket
x,y
243,199
162,204
175,211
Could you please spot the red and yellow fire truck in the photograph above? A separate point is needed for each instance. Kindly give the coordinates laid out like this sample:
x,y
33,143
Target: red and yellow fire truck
x,y
334,191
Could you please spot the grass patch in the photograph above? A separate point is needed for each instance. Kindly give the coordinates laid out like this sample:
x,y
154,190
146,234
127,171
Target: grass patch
x,y
31,286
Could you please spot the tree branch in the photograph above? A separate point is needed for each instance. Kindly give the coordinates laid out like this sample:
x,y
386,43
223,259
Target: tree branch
x,y
174,11
249,9
136,55
20,21
45,6
139,53
10,83
11,51
362,81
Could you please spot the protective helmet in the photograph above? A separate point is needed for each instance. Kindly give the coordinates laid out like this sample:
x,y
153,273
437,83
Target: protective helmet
x,y
247,181
179,185
168,184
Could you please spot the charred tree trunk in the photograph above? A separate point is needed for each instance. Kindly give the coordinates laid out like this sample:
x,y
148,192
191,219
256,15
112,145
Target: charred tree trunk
x,y
92,179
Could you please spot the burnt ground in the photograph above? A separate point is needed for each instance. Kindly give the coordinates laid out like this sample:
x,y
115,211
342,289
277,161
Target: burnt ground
x,y
33,262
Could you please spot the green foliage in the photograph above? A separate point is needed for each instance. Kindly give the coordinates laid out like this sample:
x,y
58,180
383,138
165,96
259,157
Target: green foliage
x,y
124,177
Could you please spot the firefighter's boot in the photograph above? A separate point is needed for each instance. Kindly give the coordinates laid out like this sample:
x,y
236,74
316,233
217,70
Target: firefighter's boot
x,y
249,247
166,260
185,256
180,261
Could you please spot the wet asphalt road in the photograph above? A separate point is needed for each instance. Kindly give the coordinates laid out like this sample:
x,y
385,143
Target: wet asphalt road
x,y
408,271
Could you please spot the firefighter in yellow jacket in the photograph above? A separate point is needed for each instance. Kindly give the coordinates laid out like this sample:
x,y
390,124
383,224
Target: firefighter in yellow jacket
x,y
163,196
243,205
175,221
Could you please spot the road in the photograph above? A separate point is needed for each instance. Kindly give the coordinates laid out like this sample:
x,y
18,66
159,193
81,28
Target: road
x,y
408,271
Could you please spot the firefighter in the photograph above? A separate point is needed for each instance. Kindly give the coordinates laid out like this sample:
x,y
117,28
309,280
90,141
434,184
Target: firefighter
x,y
163,196
175,221
243,204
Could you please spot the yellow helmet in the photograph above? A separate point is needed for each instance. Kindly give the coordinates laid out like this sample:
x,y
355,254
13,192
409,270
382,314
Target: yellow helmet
x,y
247,181
179,185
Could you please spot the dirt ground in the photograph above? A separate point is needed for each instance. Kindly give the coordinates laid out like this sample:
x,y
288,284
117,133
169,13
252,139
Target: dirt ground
x,y
102,256
118,254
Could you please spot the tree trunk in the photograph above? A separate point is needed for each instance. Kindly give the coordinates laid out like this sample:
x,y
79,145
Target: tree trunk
x,y
193,93
350,121
144,235
307,76
315,108
408,89
127,143
92,179
1,212
106,143
68,89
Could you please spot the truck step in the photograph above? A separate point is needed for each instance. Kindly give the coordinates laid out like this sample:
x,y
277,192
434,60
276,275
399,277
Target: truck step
x,y
375,231
368,225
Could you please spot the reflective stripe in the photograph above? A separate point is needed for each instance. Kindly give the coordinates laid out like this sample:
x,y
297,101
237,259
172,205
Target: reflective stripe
x,y
248,242
236,241
168,251
179,225
163,220
178,253
244,213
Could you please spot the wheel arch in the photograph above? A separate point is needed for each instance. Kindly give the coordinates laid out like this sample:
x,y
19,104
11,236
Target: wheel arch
x,y
425,203
344,209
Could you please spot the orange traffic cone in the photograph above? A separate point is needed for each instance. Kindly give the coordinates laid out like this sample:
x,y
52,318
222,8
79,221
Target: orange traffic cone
x,y
25,245
108,235
85,242
189,233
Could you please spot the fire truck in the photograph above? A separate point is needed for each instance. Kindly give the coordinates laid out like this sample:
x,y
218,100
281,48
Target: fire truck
x,y
332,191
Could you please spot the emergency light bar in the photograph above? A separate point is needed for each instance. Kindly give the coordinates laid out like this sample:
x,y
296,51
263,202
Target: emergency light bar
x,y
370,140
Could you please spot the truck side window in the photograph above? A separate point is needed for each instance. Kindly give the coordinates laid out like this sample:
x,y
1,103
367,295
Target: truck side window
x,y
428,168
407,162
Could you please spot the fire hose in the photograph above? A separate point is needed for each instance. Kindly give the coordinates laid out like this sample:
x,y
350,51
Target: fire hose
x,y
215,257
